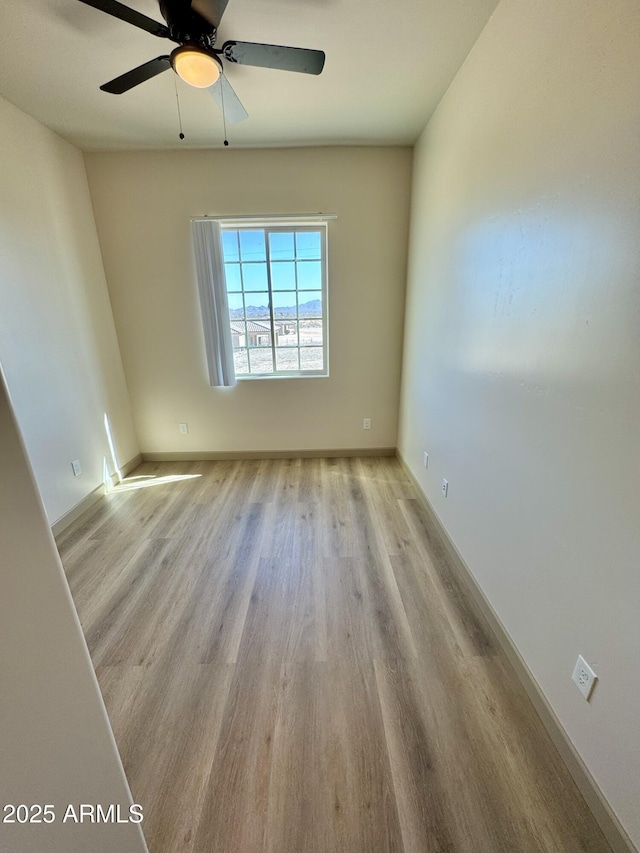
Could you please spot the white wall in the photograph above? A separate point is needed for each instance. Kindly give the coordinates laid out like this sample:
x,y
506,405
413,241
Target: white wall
x,y
522,354
57,340
55,740
142,203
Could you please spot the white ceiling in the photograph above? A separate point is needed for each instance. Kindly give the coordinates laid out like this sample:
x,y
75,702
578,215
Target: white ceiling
x,y
388,64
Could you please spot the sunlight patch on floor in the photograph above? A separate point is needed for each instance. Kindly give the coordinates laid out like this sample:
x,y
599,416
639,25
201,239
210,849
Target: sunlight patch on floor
x,y
144,482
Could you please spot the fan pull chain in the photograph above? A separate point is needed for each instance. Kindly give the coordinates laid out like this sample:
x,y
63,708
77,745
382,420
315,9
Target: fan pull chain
x,y
175,84
224,117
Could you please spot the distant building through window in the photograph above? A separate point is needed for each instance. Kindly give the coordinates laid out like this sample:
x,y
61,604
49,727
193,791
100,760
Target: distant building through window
x,y
276,280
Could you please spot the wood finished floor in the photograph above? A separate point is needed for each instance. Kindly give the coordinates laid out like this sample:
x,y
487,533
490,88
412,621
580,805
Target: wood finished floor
x,y
290,667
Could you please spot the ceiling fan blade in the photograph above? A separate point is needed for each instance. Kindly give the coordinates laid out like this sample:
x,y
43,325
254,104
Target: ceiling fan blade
x,y
137,75
229,103
274,56
119,10
210,10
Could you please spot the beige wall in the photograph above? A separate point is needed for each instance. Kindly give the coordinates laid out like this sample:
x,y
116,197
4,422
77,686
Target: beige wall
x,y
57,340
142,203
522,355
55,740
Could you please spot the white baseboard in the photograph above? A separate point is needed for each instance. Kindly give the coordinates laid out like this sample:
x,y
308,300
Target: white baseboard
x,y
226,455
87,502
131,465
595,799
76,511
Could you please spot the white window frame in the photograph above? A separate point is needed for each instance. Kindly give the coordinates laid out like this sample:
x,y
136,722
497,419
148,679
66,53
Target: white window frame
x,y
274,225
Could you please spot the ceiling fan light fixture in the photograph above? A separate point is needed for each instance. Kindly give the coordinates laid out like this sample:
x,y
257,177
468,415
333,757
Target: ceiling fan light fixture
x,y
195,67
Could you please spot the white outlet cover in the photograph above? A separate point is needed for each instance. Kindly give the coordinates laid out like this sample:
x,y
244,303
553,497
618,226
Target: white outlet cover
x,y
445,487
184,429
77,467
584,677
425,459
366,423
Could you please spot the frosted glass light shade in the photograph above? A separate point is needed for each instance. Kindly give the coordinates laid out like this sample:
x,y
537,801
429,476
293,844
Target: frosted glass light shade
x,y
195,67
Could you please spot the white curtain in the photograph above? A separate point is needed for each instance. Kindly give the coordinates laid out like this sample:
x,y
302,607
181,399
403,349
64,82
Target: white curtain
x,y
207,248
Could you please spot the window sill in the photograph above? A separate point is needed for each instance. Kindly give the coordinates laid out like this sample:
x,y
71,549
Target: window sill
x,y
282,376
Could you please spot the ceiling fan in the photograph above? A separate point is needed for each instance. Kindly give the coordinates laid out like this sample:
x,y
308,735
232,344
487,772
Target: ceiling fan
x,y
193,25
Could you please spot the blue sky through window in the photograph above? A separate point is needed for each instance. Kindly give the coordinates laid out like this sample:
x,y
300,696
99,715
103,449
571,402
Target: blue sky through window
x,y
283,275
252,246
281,246
308,244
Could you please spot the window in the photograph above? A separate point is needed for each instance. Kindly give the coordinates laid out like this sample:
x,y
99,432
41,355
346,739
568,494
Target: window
x,y
276,283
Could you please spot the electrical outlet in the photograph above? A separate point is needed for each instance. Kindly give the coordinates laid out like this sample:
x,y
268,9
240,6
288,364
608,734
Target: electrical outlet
x,y
445,487
584,677
184,429
425,459
366,423
77,467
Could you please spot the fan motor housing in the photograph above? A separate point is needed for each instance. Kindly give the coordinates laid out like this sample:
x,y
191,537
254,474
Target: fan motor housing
x,y
186,25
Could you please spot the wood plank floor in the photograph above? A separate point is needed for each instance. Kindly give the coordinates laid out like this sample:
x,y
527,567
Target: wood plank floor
x,y
290,667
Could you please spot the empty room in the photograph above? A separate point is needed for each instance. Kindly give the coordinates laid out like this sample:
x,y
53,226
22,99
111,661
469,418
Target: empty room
x,y
319,403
